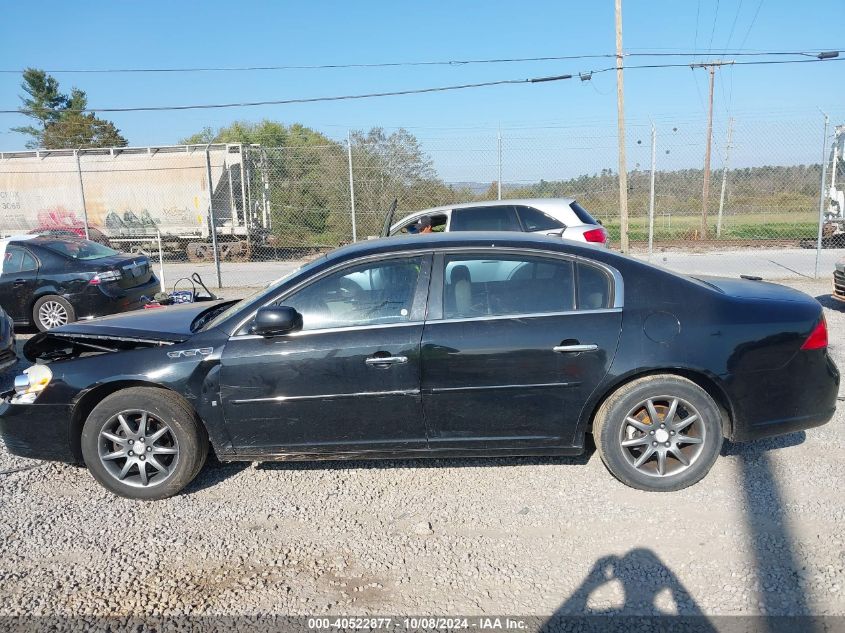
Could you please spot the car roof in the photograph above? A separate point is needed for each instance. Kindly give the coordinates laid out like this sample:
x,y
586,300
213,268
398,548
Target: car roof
x,y
563,202
470,239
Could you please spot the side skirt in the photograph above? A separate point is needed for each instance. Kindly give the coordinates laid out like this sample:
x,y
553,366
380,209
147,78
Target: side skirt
x,y
412,454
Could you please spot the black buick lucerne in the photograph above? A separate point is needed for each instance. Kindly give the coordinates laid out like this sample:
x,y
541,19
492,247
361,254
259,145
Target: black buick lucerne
x,y
457,344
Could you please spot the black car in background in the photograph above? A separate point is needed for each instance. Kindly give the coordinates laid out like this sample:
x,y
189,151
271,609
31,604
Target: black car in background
x,y
7,341
52,281
432,345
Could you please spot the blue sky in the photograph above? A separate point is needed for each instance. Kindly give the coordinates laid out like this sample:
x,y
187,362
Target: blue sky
x,y
63,35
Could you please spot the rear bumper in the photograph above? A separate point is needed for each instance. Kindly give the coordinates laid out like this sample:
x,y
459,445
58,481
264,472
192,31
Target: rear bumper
x,y
96,301
800,396
37,431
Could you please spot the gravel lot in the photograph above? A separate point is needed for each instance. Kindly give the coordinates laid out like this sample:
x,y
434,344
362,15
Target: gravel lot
x,y
763,533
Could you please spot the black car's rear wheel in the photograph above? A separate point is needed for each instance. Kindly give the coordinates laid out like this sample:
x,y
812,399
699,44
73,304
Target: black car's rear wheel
x,y
659,433
52,311
144,443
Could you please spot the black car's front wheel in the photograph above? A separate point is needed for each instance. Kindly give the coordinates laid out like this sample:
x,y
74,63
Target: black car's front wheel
x,y
52,311
144,443
659,433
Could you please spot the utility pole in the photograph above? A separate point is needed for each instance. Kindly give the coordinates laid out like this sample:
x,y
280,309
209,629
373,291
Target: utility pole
x,y
724,177
705,192
822,196
499,149
651,192
351,186
620,115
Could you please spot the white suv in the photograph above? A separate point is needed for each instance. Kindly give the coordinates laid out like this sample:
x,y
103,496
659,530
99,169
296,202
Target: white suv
x,y
550,216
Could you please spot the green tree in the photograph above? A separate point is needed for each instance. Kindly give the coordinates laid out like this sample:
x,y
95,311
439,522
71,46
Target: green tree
x,y
61,119
394,166
75,129
305,169
43,103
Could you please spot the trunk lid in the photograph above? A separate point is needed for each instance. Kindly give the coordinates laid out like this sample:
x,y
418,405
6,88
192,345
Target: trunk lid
x,y
123,270
752,289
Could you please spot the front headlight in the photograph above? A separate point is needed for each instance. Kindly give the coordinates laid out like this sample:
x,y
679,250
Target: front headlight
x,y
31,383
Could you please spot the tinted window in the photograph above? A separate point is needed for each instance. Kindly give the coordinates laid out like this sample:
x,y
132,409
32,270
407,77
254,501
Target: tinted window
x,y
485,219
79,249
582,214
535,220
373,293
29,262
593,288
506,285
18,260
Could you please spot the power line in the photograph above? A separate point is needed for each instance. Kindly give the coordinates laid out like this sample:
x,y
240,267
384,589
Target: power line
x,y
713,30
209,106
454,62
733,26
751,25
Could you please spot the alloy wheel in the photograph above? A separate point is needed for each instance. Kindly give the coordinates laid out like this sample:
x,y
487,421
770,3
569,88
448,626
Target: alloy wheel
x,y
52,314
138,449
662,436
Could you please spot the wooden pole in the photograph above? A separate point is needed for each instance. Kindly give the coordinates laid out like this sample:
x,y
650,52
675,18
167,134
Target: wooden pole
x,y
705,192
620,113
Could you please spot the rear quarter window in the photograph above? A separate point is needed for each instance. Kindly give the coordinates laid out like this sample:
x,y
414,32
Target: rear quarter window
x,y
593,288
582,214
535,220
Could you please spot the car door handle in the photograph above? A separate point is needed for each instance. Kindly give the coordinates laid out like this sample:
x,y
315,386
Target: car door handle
x,y
376,361
563,349
19,282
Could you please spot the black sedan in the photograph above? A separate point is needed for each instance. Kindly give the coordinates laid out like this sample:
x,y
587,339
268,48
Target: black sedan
x,y
439,345
50,281
7,341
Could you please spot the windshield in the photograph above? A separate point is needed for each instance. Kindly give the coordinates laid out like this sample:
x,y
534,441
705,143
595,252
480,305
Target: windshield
x,y
269,288
79,249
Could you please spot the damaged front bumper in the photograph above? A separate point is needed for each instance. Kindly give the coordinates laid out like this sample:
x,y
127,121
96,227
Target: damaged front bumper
x,y
37,431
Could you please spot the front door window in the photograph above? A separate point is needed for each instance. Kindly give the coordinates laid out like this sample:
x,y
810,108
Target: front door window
x,y
367,294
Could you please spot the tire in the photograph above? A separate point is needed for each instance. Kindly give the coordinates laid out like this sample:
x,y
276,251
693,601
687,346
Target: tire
x,y
52,311
175,443
693,434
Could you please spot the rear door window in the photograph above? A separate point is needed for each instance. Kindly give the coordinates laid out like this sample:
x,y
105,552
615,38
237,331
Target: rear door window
x,y
535,220
18,260
502,218
506,285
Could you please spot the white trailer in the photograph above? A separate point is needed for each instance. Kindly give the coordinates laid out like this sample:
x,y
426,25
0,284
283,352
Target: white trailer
x,y
133,194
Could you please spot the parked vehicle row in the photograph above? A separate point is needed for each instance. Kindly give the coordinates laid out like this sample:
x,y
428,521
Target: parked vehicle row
x,y
458,344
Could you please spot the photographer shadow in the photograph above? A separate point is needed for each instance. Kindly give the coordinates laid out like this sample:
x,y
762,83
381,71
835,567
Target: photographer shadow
x,y
623,593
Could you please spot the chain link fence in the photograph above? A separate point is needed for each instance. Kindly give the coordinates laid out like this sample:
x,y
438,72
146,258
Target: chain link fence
x,y
272,207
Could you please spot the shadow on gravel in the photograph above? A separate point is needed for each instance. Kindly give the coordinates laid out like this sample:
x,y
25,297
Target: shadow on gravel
x,y
651,597
213,473
830,303
750,449
216,471
772,544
